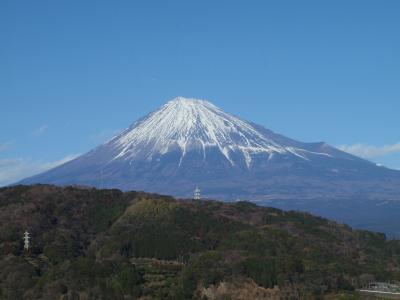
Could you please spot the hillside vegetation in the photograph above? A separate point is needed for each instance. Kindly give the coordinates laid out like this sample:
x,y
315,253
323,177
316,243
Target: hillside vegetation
x,y
105,244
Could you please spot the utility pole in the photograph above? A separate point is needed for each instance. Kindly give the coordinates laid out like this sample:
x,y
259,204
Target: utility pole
x,y
197,194
26,241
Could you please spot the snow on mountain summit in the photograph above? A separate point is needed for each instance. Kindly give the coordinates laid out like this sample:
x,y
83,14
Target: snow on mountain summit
x,y
190,142
189,124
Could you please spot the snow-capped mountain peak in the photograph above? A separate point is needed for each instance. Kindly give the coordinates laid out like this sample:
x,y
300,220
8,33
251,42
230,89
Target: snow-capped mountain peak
x,y
189,142
192,124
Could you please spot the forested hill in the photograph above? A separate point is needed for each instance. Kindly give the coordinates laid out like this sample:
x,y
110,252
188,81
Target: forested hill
x,y
106,244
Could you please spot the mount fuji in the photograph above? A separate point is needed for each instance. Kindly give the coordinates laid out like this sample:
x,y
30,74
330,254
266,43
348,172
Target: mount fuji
x,y
190,142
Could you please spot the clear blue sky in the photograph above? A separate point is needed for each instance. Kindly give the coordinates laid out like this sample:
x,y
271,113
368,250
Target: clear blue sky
x,y
74,72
